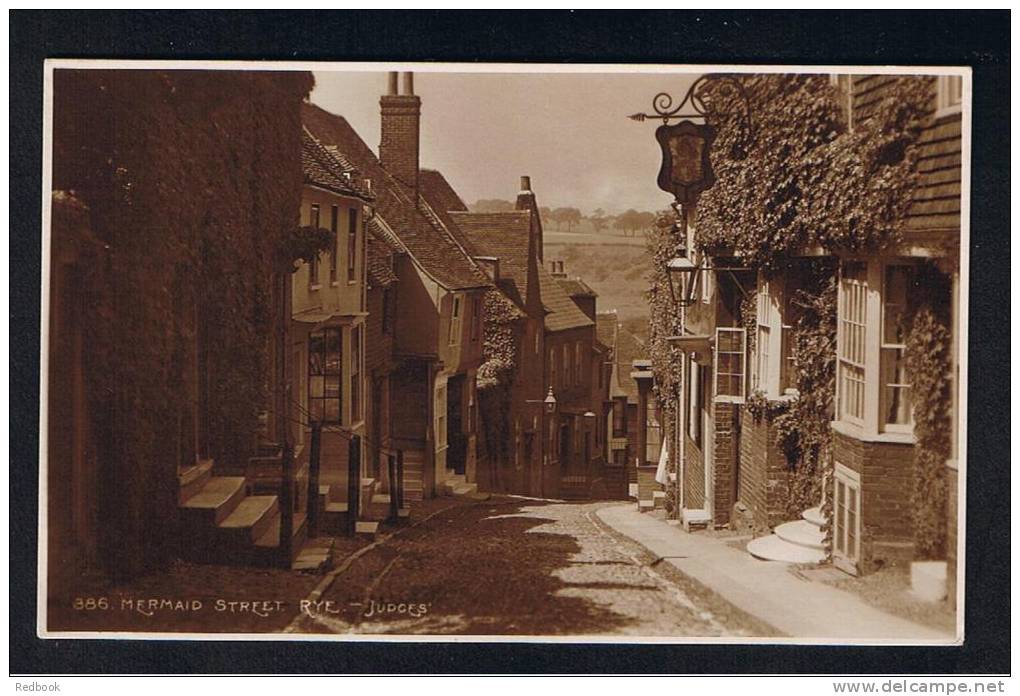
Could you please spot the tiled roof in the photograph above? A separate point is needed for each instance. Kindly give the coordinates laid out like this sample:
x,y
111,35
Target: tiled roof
x,y
575,287
380,256
563,312
420,229
503,235
327,168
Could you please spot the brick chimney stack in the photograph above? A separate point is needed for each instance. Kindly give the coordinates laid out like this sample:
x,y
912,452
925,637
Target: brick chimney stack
x,y
526,201
401,124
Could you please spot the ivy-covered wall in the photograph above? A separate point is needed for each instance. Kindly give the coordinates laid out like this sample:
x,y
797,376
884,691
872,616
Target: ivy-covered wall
x,y
193,181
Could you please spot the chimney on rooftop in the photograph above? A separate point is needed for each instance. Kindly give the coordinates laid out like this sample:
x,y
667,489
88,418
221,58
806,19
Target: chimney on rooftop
x,y
401,124
526,201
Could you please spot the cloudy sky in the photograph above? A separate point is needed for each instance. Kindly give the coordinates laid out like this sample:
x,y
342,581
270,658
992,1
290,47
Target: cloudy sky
x,y
569,132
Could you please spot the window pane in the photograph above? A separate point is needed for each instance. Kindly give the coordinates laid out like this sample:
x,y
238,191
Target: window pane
x,y
316,387
332,410
315,345
331,387
315,409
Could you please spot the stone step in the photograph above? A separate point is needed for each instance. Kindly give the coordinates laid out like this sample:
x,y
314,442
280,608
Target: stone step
x,y
644,505
801,533
267,546
814,516
215,501
314,555
366,528
193,479
250,519
659,499
772,548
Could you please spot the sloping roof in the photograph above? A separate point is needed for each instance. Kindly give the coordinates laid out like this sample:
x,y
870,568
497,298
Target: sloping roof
x,y
503,235
327,168
563,312
438,192
626,349
380,256
419,228
575,287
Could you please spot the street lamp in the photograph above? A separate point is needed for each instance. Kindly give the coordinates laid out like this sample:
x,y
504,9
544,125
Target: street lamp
x,y
680,271
550,402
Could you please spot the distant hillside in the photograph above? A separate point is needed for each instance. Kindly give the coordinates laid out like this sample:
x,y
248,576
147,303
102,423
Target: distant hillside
x,y
616,268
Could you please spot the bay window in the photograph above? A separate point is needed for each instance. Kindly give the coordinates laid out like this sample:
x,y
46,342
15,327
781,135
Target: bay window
x,y
325,372
895,397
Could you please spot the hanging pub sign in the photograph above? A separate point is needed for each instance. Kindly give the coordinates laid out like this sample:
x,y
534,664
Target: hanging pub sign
x,y
686,170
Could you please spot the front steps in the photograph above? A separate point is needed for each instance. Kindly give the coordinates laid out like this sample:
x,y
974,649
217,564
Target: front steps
x,y
221,523
799,541
456,485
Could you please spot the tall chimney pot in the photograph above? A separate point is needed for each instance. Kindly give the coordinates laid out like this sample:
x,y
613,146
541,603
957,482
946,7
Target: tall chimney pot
x,y
409,83
525,183
393,83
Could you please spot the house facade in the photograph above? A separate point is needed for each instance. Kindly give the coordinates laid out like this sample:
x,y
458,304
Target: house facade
x,y
176,376
740,374
437,323
328,330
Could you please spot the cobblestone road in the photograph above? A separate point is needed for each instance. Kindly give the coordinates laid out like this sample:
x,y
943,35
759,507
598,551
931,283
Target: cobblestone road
x,y
515,566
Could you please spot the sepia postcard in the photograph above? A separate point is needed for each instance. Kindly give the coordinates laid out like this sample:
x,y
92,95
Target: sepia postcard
x,y
504,352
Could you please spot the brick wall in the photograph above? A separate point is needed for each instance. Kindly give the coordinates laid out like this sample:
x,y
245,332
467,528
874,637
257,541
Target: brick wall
x,y
887,472
763,477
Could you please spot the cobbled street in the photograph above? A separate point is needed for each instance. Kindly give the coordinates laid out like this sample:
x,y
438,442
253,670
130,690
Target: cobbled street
x,y
520,566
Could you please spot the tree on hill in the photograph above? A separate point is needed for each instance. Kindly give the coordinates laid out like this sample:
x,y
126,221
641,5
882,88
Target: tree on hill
x,y
599,220
568,217
492,205
630,221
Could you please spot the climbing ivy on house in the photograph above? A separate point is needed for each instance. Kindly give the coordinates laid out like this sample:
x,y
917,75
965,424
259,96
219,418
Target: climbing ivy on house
x,y
807,180
664,321
192,180
928,369
803,429
496,375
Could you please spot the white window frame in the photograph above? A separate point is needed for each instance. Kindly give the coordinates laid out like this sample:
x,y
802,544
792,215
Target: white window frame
x,y
887,346
852,347
456,310
717,363
694,401
846,548
440,416
948,95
